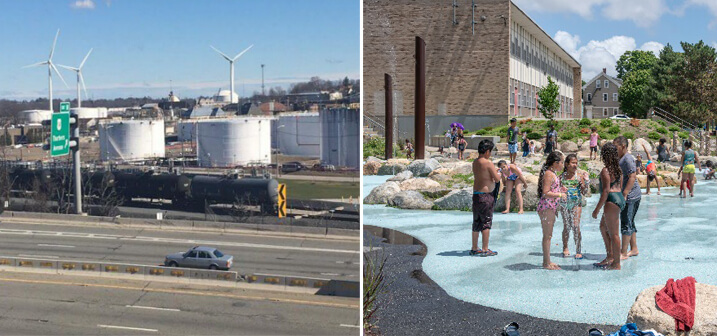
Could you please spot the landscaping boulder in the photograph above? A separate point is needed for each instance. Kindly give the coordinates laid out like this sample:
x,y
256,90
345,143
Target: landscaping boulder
x,y
404,162
464,168
642,180
373,159
530,196
646,314
422,168
568,146
638,146
675,157
501,146
461,199
402,176
420,183
410,199
371,167
440,178
383,193
391,169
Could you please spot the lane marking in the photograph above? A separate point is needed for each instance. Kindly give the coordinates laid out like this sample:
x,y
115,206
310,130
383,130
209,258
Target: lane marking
x,y
53,245
38,256
349,326
331,274
153,308
126,328
189,292
347,262
174,240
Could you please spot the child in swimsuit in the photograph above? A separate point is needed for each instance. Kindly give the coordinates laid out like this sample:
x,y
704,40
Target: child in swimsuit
x,y
409,149
484,186
689,159
594,137
512,177
576,182
549,191
613,200
651,170
462,143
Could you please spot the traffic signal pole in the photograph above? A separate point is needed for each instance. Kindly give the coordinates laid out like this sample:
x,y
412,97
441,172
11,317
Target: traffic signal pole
x,y
76,163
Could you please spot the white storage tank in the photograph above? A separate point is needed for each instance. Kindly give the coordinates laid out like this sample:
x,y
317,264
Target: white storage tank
x,y
233,141
35,116
90,112
298,134
128,140
185,130
340,137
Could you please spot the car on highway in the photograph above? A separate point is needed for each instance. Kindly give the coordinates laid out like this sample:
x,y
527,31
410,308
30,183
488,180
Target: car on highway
x,y
620,117
200,257
290,167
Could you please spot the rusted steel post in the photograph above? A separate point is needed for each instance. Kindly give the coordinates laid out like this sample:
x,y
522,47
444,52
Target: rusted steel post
x,y
388,130
420,103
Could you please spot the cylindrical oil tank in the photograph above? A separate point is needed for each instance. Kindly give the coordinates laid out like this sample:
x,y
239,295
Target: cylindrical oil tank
x,y
149,185
131,140
35,116
185,130
298,134
248,191
31,179
98,183
233,141
340,137
90,112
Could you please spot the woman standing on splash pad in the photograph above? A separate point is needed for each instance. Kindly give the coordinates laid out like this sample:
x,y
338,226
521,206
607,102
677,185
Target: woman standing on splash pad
x,y
550,192
614,201
576,183
689,160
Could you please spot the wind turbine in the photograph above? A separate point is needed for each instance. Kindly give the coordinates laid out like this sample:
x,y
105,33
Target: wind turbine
x,y
231,70
50,67
80,79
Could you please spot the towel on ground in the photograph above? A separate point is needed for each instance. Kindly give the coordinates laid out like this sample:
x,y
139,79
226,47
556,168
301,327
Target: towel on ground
x,y
677,299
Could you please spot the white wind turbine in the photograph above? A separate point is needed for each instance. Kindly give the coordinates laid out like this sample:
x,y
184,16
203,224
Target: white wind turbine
x,y
80,79
50,67
231,69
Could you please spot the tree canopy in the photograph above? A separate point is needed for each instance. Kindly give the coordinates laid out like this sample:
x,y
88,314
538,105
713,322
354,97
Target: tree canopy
x,y
548,99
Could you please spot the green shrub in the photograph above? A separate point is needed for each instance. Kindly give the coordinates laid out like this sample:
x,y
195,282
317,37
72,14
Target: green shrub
x,y
481,132
674,128
662,122
534,136
605,135
629,135
567,136
502,131
684,135
661,130
606,123
527,130
585,122
488,129
654,135
614,129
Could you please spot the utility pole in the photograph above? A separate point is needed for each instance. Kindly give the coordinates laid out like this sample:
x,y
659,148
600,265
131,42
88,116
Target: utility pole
x,y
262,80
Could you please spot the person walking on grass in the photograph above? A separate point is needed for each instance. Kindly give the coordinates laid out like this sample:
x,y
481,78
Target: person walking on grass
x,y
631,192
594,140
484,184
613,201
513,132
512,177
651,170
687,170
576,182
550,192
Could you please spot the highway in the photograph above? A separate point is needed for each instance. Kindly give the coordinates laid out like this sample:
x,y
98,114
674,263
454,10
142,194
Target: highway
x,y
336,258
35,304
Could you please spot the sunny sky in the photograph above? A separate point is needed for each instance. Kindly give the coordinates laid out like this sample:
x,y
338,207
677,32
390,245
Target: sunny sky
x,y
597,32
139,46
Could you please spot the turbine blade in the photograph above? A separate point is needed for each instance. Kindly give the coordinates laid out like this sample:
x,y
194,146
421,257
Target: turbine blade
x,y
54,43
242,53
221,53
58,73
82,80
34,65
84,60
68,67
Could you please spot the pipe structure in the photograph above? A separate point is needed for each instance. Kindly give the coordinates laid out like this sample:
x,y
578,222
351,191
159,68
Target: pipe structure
x,y
388,130
420,99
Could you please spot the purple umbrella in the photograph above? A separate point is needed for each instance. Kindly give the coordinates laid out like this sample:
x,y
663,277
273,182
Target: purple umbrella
x,y
455,124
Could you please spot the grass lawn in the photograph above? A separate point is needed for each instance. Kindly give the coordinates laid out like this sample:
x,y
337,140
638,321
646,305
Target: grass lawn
x,y
306,190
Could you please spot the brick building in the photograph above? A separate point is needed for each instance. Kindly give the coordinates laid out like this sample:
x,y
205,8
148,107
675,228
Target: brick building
x,y
478,72
600,96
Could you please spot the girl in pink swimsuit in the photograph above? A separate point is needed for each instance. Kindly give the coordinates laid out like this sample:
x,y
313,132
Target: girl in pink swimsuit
x,y
549,195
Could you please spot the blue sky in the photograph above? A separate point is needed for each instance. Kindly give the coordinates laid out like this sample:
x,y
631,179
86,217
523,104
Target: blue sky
x,y
597,32
139,46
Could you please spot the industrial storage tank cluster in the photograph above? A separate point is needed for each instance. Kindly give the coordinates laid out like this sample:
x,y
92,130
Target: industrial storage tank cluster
x,y
128,140
340,137
298,134
185,130
233,141
90,112
35,116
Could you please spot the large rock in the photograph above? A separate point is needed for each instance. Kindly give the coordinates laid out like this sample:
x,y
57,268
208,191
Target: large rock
x,y
371,167
402,176
422,168
391,169
675,157
568,147
373,159
645,312
404,162
642,180
441,178
670,179
638,145
464,168
420,183
501,146
383,193
410,199
461,199
440,171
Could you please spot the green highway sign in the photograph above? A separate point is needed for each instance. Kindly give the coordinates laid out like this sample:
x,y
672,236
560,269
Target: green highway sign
x,y
60,133
64,107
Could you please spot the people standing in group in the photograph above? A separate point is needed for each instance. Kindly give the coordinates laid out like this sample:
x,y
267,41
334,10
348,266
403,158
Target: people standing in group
x,y
633,195
594,140
549,193
613,201
512,178
409,149
689,160
651,171
484,185
663,154
526,145
462,144
576,182
513,132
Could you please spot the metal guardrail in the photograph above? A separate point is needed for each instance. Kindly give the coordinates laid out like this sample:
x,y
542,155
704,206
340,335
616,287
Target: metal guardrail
x,y
670,117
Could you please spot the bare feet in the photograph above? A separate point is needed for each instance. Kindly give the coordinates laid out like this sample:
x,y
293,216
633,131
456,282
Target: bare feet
x,y
578,256
566,253
633,253
505,212
647,193
624,256
659,193
692,195
605,262
520,212
551,266
613,267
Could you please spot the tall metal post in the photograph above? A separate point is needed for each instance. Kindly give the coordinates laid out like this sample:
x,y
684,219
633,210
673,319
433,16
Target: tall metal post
x,y
262,80
76,165
420,98
388,131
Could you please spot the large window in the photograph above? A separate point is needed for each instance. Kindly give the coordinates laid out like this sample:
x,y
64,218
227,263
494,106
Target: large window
x,y
614,97
604,97
607,83
590,97
604,112
597,84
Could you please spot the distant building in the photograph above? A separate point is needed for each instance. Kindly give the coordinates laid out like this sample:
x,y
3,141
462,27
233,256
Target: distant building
x,y
205,112
271,108
600,96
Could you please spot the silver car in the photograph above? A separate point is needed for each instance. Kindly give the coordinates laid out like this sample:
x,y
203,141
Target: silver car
x,y
200,257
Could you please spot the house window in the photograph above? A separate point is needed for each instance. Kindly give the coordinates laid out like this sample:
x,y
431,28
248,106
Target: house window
x,y
597,84
614,97
607,84
614,111
604,97
604,112
590,97
617,110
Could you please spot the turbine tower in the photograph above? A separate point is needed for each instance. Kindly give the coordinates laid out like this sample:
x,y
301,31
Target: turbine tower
x,y
50,67
80,79
231,70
